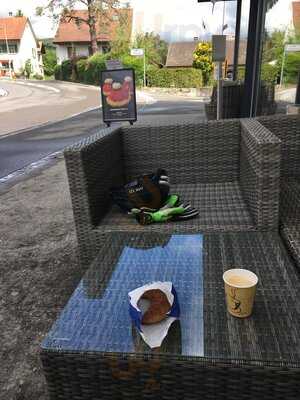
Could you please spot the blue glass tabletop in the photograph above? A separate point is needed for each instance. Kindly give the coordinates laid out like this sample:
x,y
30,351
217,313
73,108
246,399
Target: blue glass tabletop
x,y
97,318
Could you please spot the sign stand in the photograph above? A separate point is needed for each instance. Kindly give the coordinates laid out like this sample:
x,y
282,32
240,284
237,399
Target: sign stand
x,y
220,92
219,56
139,53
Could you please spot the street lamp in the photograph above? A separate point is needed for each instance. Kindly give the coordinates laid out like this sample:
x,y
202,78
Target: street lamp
x,y
7,48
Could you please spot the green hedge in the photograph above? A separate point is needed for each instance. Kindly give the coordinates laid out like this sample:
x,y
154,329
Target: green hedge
x,y
179,78
292,68
269,73
64,71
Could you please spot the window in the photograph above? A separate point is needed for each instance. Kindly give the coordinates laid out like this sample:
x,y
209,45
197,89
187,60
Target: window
x,y
115,18
13,48
71,52
34,53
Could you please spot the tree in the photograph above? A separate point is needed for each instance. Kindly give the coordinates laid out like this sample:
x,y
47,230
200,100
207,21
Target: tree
x,y
120,44
273,46
98,11
203,60
156,49
19,13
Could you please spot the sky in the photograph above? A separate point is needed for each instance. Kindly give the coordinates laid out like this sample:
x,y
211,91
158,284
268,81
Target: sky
x,y
174,20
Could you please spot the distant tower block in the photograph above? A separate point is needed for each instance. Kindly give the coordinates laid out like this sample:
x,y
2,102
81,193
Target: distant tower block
x,y
139,22
158,23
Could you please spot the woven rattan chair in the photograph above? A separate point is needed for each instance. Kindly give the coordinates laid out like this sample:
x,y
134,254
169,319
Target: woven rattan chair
x,y
287,128
229,170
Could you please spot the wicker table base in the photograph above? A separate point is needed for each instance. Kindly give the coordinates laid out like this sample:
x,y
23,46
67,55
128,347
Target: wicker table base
x,y
92,352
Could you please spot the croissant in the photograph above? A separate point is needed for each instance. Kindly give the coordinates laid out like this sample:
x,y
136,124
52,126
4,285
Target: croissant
x,y
158,308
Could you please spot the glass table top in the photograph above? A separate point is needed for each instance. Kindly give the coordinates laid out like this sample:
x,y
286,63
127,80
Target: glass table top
x,y
96,318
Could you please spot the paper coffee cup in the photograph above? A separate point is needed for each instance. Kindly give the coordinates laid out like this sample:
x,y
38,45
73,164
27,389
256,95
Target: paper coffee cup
x,y
240,288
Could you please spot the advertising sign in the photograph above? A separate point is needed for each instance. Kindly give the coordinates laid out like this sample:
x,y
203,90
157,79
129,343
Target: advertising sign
x,y
218,48
113,64
290,48
137,52
118,95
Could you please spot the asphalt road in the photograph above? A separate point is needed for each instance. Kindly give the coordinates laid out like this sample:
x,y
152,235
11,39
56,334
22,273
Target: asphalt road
x,y
30,103
26,147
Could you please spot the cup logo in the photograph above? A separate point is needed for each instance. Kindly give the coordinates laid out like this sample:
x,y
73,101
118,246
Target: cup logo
x,y
236,303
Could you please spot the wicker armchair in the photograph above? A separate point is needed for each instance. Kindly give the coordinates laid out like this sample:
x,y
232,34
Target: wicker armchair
x,y
229,170
287,128
232,99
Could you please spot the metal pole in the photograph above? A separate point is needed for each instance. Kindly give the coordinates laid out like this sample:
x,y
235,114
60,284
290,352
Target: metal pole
x,y
144,67
220,92
237,39
7,49
297,100
282,68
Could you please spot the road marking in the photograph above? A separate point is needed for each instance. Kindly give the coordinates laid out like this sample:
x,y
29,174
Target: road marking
x,y
47,87
3,92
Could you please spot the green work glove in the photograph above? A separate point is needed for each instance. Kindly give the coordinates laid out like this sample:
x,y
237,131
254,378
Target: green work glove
x,y
162,215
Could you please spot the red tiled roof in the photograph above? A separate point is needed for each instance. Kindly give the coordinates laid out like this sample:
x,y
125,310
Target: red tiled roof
x,y
296,15
14,27
69,31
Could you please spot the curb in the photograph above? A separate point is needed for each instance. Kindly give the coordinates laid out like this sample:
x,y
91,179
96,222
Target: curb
x,y
6,182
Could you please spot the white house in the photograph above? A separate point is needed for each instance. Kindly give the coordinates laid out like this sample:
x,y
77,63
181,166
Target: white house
x,y
18,44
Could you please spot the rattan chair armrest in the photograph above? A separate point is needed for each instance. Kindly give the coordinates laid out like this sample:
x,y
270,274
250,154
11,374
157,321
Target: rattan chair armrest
x,y
93,166
260,173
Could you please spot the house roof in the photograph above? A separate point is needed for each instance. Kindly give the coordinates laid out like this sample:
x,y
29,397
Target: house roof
x,y
69,31
180,54
296,15
14,27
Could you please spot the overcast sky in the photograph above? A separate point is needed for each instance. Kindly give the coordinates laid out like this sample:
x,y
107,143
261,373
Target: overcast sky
x,y
173,19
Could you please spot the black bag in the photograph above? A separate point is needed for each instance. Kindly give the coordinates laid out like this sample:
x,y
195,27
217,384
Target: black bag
x,y
146,191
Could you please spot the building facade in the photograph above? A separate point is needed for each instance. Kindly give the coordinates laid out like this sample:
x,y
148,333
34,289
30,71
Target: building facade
x,y
18,44
74,40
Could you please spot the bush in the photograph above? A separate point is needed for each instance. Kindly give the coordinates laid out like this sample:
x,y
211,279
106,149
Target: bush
x,y
292,68
58,72
89,71
137,63
178,78
269,73
49,61
38,77
66,70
